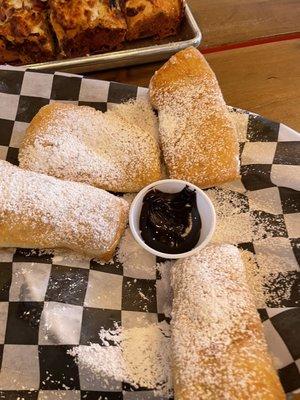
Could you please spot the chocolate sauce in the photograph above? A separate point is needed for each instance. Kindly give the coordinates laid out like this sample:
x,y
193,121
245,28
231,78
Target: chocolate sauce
x,y
170,222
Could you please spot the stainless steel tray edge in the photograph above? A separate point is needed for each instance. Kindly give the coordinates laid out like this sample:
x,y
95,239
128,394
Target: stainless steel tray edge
x,y
126,57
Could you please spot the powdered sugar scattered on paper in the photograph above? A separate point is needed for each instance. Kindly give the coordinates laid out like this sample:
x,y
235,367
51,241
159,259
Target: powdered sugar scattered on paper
x,y
140,356
134,257
237,224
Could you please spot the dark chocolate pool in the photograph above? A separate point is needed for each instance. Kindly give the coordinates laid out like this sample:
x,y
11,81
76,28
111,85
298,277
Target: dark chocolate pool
x,y
170,222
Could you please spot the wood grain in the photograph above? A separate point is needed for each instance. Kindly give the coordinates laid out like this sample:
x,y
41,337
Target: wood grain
x,y
264,79
231,21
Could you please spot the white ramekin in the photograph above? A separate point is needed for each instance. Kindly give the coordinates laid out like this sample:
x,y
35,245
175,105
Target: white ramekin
x,y
205,207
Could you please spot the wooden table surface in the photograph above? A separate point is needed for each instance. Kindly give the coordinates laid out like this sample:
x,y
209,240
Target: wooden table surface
x,y
254,48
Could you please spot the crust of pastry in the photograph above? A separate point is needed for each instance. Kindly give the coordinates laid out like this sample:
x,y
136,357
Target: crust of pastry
x,y
38,211
219,347
81,144
198,136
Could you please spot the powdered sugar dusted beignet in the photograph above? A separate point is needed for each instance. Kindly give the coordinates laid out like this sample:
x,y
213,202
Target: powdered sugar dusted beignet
x,y
112,150
219,350
39,211
199,139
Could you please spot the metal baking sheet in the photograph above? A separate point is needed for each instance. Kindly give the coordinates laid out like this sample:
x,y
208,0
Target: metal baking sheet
x,y
138,52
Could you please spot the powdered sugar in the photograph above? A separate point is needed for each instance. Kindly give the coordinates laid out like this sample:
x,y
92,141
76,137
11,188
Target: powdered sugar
x,y
233,223
198,137
240,119
180,140
58,213
139,356
163,288
255,278
195,282
108,150
237,224
213,317
135,258
270,277
140,113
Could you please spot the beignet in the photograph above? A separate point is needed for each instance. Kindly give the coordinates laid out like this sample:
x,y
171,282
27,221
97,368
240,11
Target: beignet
x,y
39,211
198,137
107,150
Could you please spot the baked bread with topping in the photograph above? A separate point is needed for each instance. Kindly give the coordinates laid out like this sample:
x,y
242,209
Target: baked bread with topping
x,y
146,18
25,35
86,26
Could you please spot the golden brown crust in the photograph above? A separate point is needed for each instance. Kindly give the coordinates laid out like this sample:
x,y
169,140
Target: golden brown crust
x,y
119,232
61,141
38,211
199,140
85,26
21,237
25,34
219,349
146,18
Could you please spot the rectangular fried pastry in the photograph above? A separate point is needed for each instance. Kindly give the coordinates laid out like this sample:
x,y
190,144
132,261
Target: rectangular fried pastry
x,y
39,211
86,26
109,150
25,35
219,350
199,139
146,18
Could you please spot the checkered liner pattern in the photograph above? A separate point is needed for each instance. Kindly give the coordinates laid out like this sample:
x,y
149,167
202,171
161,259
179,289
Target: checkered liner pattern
x,y
79,298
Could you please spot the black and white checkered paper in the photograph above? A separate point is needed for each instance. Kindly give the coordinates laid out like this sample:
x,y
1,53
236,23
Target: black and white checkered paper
x,y
80,297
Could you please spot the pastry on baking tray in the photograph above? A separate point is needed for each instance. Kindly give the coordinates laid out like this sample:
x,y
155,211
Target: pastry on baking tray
x,y
219,350
147,18
199,139
86,26
25,35
39,211
78,143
